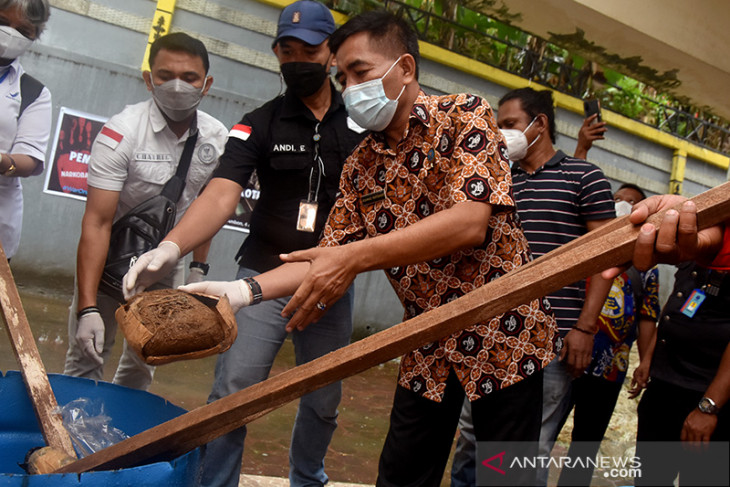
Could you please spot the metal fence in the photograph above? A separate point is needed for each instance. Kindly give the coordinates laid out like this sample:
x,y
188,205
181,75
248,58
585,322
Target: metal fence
x,y
538,60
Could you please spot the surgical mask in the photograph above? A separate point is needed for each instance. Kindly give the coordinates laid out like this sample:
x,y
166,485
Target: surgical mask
x,y
368,105
12,43
517,142
177,99
304,79
623,208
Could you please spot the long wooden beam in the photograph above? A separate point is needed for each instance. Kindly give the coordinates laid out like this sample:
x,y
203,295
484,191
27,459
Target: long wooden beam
x,y
29,361
585,256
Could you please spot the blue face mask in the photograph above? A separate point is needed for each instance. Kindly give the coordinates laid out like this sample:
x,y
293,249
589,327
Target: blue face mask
x,y
368,105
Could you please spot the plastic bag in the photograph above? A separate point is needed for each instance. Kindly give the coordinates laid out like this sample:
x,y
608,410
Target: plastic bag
x,y
87,425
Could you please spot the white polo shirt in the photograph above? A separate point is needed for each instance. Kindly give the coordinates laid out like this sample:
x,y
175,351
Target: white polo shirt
x,y
28,135
136,153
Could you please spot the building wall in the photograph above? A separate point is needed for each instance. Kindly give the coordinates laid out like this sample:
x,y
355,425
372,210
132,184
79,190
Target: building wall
x,y
90,57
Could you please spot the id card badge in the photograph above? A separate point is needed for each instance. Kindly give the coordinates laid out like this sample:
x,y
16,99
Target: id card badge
x,y
693,303
307,216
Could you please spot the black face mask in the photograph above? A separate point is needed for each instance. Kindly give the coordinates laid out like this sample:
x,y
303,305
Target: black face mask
x,y
303,79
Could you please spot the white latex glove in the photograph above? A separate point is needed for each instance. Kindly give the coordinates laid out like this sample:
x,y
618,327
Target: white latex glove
x,y
195,275
90,336
238,292
150,268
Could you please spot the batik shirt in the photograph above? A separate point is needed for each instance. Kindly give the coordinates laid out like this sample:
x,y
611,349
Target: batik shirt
x,y
452,153
618,323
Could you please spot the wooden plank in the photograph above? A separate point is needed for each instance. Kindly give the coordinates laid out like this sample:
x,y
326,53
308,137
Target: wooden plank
x,y
29,360
583,257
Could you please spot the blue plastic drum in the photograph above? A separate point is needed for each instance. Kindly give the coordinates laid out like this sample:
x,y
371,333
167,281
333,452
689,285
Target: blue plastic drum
x,y
132,411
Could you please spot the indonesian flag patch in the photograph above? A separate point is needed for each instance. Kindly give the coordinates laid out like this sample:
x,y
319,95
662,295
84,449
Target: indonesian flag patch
x,y
240,131
109,137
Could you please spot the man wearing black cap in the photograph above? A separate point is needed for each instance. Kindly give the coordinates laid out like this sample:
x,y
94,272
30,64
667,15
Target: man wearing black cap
x,y
297,143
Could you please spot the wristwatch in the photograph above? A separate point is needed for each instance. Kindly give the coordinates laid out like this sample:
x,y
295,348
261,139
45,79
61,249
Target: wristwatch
x,y
200,265
708,406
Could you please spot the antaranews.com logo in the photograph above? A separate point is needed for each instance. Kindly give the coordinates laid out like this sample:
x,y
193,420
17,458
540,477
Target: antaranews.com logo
x,y
518,464
604,464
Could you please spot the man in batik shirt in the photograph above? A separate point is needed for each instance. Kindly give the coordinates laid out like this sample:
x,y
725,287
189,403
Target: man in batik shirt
x,y
427,197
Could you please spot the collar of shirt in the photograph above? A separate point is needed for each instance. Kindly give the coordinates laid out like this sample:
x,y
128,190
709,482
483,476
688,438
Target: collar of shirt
x,y
420,115
554,161
294,107
13,69
159,122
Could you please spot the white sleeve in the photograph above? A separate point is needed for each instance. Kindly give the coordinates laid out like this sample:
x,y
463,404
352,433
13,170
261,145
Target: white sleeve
x,y
34,130
109,159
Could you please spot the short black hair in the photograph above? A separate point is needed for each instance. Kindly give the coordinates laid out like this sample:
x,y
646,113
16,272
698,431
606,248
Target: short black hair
x,y
179,41
534,103
634,187
391,33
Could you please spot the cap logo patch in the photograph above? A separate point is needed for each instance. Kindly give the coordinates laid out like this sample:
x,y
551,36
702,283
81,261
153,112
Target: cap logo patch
x,y
297,17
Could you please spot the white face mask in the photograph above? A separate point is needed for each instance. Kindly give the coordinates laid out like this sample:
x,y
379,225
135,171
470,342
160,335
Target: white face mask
x,y
12,43
623,208
368,105
177,99
516,142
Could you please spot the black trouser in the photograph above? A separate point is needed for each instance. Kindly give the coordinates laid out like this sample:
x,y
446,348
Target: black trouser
x,y
662,411
594,399
421,431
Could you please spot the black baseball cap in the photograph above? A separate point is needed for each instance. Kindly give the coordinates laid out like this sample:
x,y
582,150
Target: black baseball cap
x,y
306,20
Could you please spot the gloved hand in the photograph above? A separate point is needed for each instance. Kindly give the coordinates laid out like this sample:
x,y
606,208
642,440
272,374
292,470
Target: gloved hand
x,y
90,336
195,275
238,292
150,268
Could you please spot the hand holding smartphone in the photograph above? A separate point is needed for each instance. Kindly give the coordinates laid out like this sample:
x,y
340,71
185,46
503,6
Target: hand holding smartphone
x,y
591,107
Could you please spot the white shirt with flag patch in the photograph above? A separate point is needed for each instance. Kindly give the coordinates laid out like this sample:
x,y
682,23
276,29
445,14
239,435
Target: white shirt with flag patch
x,y
240,131
109,137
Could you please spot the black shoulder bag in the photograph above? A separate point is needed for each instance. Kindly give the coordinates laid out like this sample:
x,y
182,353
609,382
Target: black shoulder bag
x,y
144,227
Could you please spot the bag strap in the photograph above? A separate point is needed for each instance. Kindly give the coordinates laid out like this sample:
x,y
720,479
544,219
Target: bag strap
x,y
30,90
174,187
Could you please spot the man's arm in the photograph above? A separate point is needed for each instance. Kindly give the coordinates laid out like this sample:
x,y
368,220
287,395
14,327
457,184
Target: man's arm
x,y
24,165
588,132
205,216
699,426
646,343
92,251
101,205
333,269
323,274
578,344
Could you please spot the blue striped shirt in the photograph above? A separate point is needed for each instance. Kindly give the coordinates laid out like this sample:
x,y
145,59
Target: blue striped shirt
x,y
554,203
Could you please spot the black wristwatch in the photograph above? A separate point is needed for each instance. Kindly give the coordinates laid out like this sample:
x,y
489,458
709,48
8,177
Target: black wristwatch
x,y
200,265
708,406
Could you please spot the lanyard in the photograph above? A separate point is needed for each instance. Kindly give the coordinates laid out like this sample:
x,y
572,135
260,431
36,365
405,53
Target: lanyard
x,y
319,167
5,75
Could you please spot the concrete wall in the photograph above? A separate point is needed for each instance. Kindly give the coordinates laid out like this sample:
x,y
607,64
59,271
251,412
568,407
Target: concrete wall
x,y
89,57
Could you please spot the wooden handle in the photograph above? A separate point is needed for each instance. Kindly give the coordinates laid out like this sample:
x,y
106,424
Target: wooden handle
x,y
29,360
576,260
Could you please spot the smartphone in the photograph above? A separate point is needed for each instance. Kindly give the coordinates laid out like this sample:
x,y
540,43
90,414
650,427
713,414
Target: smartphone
x,y
592,106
